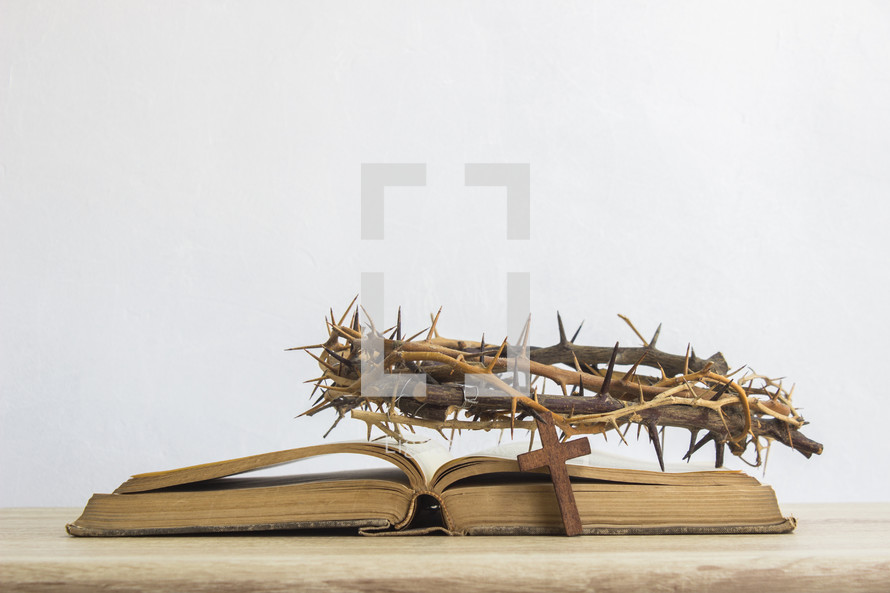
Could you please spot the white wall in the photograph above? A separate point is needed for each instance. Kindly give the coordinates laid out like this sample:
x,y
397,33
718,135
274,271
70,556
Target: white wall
x,y
179,202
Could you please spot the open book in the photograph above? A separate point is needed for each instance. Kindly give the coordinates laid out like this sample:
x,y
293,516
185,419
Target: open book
x,y
425,491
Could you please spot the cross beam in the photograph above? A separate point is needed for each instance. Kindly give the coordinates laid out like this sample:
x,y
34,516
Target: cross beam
x,y
553,455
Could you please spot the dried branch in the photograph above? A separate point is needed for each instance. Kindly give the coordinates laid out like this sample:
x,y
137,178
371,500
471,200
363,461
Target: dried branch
x,y
684,391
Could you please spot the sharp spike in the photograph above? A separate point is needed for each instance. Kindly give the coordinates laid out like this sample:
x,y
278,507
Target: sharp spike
x,y
686,360
339,358
653,436
526,332
314,389
494,361
693,434
577,331
615,426
701,443
607,381
629,323
336,422
655,336
320,361
349,308
433,331
719,457
415,335
580,383
577,364
592,370
317,400
304,347
399,324
630,374
562,331
720,391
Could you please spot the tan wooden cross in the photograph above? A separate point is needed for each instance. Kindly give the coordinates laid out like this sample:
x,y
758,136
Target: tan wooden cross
x,y
553,455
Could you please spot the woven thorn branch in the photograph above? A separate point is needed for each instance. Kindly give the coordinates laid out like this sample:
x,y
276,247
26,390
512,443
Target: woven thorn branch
x,y
471,385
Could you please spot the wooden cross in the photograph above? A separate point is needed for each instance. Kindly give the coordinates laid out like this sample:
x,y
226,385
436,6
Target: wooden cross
x,y
553,455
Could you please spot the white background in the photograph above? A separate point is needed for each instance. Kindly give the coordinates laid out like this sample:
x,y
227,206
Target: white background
x,y
179,203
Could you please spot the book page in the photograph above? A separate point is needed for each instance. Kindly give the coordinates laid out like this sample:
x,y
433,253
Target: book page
x,y
429,455
603,459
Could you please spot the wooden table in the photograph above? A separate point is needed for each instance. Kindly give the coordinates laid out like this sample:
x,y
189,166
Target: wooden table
x,y
837,547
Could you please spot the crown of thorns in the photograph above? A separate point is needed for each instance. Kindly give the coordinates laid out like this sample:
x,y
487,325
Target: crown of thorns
x,y
455,385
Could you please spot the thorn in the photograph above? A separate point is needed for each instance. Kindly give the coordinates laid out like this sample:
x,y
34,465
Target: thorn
x,y
720,449
655,336
592,370
769,444
526,333
433,331
615,425
496,357
630,374
639,335
399,324
607,381
580,383
304,347
355,324
482,342
325,363
370,321
336,422
314,389
339,358
562,332
693,434
577,364
720,391
415,335
346,312
701,443
653,436
577,331
317,400
686,360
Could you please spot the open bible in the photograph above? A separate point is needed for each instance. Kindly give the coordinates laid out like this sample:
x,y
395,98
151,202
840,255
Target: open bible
x,y
427,491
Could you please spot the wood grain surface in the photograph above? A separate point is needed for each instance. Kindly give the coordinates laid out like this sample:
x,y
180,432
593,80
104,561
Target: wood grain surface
x,y
837,547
